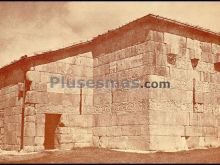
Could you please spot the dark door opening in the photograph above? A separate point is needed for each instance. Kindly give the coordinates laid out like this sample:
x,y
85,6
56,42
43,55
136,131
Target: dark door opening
x,y
51,123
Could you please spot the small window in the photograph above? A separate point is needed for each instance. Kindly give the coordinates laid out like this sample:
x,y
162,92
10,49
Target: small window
x,y
217,66
171,58
217,62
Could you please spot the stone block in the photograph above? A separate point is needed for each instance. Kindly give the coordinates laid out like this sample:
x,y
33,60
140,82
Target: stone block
x,y
45,77
155,36
29,148
104,142
1,123
167,143
102,120
115,131
88,100
215,48
132,118
131,130
29,141
102,99
95,141
206,119
161,59
118,96
199,97
193,142
81,145
140,48
75,91
40,87
33,76
218,129
64,130
156,47
55,98
166,130
29,111
77,120
80,130
39,141
171,118
30,119
36,97
216,58
29,129
207,57
138,143
149,58
65,138
100,131
38,148
174,43
136,61
114,142
66,146
67,99
40,129
212,142
40,118
82,138
206,47
190,43
193,131
210,131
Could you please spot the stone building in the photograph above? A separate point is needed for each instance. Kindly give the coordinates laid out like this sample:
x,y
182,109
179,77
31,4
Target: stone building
x,y
35,116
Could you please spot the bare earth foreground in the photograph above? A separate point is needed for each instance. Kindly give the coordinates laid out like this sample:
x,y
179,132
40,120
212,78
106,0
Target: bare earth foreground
x,y
94,155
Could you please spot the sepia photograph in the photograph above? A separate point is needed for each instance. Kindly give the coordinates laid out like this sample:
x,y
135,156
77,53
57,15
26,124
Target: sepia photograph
x,y
109,82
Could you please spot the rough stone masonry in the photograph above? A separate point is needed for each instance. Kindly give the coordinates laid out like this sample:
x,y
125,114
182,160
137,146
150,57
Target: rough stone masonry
x,y
35,117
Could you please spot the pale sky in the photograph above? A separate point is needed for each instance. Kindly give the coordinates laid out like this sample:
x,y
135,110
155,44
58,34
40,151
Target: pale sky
x,y
28,27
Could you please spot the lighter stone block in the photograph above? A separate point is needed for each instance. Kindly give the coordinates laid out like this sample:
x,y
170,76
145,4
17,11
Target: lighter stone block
x,y
166,130
33,76
167,143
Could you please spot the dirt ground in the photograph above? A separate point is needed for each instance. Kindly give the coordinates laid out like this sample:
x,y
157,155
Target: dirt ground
x,y
94,155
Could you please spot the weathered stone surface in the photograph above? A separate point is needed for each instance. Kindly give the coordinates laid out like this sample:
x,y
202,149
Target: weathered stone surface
x,y
29,141
33,76
155,36
131,130
41,87
66,146
167,143
29,129
40,129
212,142
65,138
39,141
193,142
77,120
36,97
29,148
193,131
82,138
166,130
171,118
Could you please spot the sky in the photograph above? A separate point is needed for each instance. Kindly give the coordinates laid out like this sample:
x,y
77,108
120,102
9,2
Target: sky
x,y
30,27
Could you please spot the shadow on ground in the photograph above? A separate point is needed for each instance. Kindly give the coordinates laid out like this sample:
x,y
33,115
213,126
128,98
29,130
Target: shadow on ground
x,y
95,155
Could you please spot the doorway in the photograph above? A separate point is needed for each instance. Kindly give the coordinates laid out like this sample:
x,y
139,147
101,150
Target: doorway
x,y
51,123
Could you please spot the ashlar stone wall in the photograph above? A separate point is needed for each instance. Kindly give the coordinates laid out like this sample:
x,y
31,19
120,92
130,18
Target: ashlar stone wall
x,y
10,117
180,118
184,116
42,98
